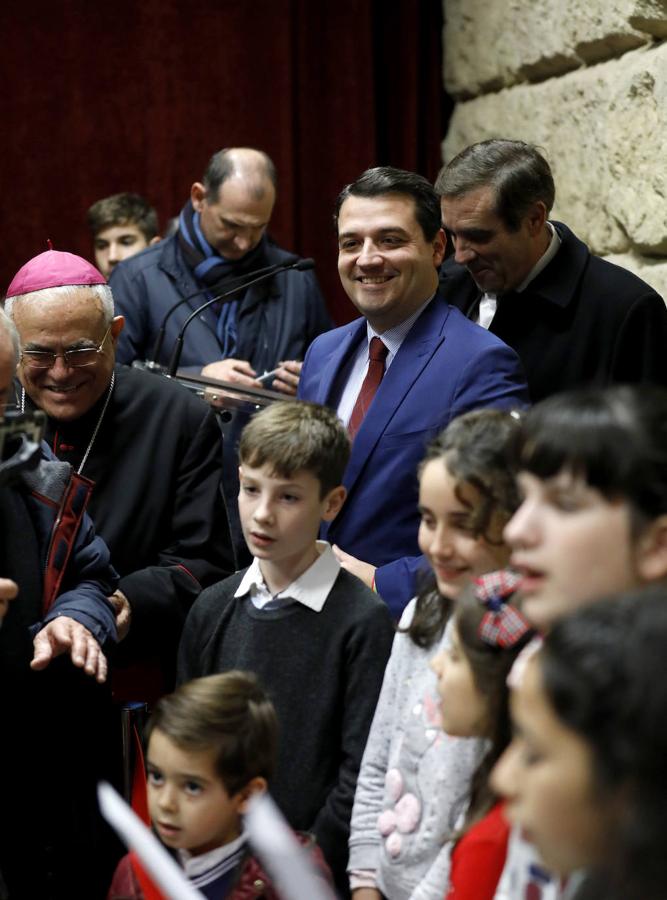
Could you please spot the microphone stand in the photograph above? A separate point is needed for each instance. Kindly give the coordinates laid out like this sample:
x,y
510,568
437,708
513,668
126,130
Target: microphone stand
x,y
153,363
299,265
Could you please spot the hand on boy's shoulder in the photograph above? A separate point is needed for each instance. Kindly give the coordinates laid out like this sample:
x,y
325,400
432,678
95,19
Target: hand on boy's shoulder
x,y
363,570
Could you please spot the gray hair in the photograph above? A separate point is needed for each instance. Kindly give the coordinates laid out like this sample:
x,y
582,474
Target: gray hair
x,y
518,173
9,329
101,291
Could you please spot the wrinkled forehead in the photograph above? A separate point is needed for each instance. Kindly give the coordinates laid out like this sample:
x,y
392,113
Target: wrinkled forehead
x,y
54,314
478,205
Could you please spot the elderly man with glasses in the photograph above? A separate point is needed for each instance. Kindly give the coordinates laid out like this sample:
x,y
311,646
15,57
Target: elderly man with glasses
x,y
150,447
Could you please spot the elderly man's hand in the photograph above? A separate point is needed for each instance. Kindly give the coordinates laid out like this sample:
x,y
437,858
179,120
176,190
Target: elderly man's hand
x,y
287,377
123,611
8,591
65,635
363,570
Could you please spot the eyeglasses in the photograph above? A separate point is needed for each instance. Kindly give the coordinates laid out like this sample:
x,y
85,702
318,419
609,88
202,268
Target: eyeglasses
x,y
73,359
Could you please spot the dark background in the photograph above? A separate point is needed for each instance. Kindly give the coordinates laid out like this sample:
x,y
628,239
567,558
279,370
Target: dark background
x,y
101,97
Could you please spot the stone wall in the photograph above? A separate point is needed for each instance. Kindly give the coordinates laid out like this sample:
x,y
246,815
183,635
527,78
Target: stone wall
x,y
588,83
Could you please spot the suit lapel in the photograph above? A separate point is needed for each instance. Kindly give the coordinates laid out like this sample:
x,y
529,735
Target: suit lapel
x,y
331,370
426,335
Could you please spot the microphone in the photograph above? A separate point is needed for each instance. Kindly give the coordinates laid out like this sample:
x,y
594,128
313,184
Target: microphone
x,y
153,361
301,265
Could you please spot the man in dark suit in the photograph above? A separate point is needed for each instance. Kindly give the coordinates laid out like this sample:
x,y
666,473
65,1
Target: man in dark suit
x,y
221,241
573,318
436,365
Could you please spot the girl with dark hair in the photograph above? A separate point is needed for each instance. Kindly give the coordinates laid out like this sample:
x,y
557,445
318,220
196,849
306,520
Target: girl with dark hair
x,y
486,637
585,773
413,780
592,468
593,473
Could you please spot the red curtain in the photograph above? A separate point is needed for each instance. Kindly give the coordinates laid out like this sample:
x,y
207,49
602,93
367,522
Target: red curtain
x,y
136,95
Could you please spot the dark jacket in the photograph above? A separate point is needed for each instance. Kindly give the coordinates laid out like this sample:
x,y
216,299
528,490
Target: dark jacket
x,y
581,321
290,308
77,576
156,464
59,720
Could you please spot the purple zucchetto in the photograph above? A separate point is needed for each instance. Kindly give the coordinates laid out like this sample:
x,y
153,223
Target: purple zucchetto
x,y
53,268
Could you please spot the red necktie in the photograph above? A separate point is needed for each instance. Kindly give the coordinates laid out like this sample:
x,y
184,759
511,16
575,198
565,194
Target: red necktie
x,y
377,353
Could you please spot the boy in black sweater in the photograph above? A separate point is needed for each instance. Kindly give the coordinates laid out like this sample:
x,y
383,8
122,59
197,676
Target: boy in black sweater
x,y
316,636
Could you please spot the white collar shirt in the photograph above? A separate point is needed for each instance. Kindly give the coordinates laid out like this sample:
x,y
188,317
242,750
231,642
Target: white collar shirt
x,y
311,588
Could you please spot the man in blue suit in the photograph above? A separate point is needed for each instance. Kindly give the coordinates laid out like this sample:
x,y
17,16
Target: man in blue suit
x,y
437,366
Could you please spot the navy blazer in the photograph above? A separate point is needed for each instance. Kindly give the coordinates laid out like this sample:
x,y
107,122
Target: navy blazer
x,y
445,366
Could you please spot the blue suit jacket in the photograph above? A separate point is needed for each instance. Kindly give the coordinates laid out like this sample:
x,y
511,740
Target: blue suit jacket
x,y
446,366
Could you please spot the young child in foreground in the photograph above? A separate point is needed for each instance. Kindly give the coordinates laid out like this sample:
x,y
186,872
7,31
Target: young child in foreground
x,y
317,637
585,774
487,635
592,469
414,780
210,746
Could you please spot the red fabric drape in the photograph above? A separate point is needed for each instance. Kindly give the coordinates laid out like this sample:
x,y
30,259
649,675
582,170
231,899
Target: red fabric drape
x,y
136,95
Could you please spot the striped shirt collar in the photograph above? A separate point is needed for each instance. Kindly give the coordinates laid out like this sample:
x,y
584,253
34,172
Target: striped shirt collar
x,y
394,337
206,867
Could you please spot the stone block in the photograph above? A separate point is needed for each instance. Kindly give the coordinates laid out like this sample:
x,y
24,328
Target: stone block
x,y
488,46
603,130
650,16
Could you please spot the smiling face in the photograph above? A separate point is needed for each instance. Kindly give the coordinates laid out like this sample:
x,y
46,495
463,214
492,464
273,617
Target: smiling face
x,y
463,706
570,544
234,222
57,324
281,517
547,778
455,553
386,266
114,244
189,805
498,259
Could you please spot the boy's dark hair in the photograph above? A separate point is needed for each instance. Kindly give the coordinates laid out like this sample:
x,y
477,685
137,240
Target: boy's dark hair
x,y
228,713
517,172
475,448
294,436
383,180
604,671
615,439
490,666
123,209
